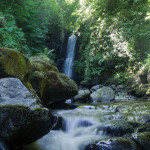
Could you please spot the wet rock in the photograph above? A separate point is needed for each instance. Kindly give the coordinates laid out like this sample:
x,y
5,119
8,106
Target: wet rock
x,y
117,128
83,96
58,121
144,128
142,139
51,85
116,143
22,120
84,123
105,94
144,119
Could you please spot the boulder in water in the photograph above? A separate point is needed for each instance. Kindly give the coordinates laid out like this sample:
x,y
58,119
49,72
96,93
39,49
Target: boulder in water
x,y
83,96
51,85
116,143
105,94
116,128
22,120
142,139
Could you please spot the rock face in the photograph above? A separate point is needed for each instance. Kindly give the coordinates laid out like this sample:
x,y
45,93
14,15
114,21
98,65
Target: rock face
x,y
83,96
105,94
51,85
22,120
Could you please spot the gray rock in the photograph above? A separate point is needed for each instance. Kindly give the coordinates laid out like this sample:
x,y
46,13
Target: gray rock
x,y
105,94
83,96
113,86
22,120
120,87
94,88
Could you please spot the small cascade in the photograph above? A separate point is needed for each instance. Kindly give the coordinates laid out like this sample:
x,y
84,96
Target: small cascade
x,y
70,55
78,131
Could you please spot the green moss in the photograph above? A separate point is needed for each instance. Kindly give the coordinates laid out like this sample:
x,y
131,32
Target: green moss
x,y
49,84
14,64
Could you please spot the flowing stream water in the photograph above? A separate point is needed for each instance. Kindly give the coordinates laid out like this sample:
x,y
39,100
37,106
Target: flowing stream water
x,y
70,55
84,125
80,127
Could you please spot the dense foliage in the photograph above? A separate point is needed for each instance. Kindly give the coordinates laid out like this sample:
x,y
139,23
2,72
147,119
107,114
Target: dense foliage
x,y
115,38
113,35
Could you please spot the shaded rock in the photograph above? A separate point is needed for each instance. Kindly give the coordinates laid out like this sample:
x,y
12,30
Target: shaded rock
x,y
22,120
83,96
117,128
62,105
148,76
120,87
144,128
117,143
142,139
105,94
138,92
143,75
51,85
4,146
57,122
94,88
113,86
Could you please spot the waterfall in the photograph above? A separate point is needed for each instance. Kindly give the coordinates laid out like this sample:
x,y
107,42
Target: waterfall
x,y
70,55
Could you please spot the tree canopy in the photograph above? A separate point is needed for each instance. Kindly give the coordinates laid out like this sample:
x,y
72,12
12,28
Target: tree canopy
x,y
113,35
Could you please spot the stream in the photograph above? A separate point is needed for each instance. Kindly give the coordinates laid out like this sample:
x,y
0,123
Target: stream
x,y
83,126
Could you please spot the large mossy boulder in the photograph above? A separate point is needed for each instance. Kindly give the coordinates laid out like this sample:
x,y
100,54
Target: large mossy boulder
x,y
14,64
22,120
51,85
104,94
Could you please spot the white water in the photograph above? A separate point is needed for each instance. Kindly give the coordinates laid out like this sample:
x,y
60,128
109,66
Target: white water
x,y
70,55
80,129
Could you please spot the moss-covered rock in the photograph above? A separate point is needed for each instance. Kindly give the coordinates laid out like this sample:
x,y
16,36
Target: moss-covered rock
x,y
22,120
14,64
117,128
51,85
142,139
116,143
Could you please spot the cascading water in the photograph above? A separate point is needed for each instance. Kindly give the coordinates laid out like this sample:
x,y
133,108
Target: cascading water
x,y
80,128
70,55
